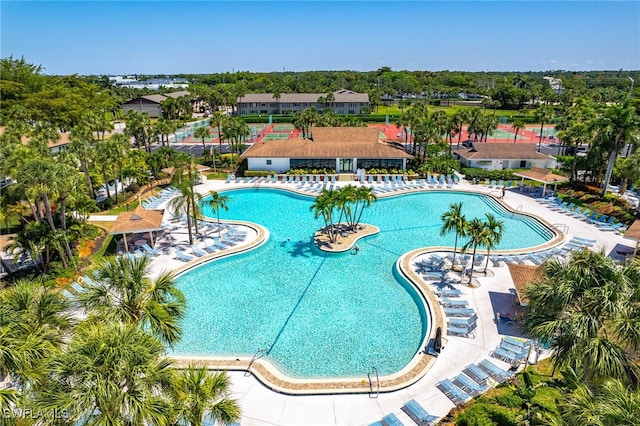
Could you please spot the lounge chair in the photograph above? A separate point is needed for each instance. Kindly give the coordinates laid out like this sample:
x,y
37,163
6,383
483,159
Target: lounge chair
x,y
449,303
496,373
468,385
447,292
520,351
391,420
198,251
460,331
180,255
147,248
454,393
507,356
419,415
476,373
77,287
459,312
516,342
468,322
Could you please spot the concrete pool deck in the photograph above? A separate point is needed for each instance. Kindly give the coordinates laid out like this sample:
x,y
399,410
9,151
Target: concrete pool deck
x,y
262,406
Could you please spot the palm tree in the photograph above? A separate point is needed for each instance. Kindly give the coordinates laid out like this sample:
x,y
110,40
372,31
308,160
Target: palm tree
x,y
324,205
544,114
187,201
218,120
454,221
586,310
460,117
198,394
620,125
217,202
476,231
493,234
110,373
122,291
34,323
611,403
364,196
517,125
202,132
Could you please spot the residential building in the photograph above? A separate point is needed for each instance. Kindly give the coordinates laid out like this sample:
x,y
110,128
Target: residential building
x,y
344,149
344,102
150,104
497,156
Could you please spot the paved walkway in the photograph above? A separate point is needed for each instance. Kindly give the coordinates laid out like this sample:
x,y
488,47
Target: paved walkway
x,y
261,406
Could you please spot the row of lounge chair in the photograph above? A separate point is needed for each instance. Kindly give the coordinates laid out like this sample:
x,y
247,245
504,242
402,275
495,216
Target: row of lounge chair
x,y
512,351
414,410
602,221
154,202
230,238
282,179
476,379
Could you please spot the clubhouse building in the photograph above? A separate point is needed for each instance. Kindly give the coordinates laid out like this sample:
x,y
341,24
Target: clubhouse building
x,y
343,102
344,149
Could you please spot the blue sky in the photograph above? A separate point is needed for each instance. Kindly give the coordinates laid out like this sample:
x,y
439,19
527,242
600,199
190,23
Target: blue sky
x,y
156,37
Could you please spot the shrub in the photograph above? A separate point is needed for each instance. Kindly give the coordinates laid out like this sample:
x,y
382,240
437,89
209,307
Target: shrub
x,y
476,173
486,415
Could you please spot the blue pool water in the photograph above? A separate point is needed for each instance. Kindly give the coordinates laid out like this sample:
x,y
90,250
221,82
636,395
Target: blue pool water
x,y
324,315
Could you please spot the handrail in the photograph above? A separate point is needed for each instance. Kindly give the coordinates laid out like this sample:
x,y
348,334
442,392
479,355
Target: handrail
x,y
253,359
375,370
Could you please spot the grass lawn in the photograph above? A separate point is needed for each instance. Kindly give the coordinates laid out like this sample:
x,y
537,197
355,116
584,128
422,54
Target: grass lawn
x,y
121,208
394,110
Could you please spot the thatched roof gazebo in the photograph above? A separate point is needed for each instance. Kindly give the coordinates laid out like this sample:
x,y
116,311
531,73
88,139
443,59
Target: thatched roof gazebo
x,y
542,175
137,222
523,276
633,233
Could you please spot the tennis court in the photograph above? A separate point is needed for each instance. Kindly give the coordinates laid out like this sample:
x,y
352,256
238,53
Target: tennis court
x,y
283,128
546,132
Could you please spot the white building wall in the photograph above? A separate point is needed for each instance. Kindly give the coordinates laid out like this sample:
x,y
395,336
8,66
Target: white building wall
x,y
509,164
279,165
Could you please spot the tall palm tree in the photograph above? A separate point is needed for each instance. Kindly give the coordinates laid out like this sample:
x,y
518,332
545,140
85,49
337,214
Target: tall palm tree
x,y
543,114
476,231
122,291
325,205
517,125
620,125
364,196
202,132
460,117
217,202
218,120
493,234
110,373
586,310
454,221
198,394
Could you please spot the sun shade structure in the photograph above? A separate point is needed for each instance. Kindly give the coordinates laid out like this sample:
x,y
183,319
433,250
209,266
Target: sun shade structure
x,y
541,175
633,233
138,221
523,276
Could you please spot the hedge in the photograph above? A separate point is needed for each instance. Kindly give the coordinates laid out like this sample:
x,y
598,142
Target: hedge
x,y
259,173
287,118
477,173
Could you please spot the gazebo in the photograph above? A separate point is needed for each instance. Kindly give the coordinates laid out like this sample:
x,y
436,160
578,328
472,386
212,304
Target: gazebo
x,y
541,175
138,221
633,233
523,276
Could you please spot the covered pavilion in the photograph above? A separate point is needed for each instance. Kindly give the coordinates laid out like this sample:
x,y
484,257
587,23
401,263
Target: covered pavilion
x,y
138,221
633,233
523,276
541,175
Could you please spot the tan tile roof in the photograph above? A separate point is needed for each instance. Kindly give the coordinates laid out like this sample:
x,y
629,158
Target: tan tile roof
x,y
139,220
63,139
340,96
541,175
329,142
633,233
503,151
524,275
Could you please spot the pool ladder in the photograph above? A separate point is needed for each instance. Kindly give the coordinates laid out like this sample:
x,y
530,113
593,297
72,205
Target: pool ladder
x,y
371,394
259,354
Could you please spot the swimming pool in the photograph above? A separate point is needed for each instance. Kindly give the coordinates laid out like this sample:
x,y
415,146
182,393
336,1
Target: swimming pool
x,y
325,315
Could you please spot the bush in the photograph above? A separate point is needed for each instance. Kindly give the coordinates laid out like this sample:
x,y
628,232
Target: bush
x,y
259,173
476,173
486,415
